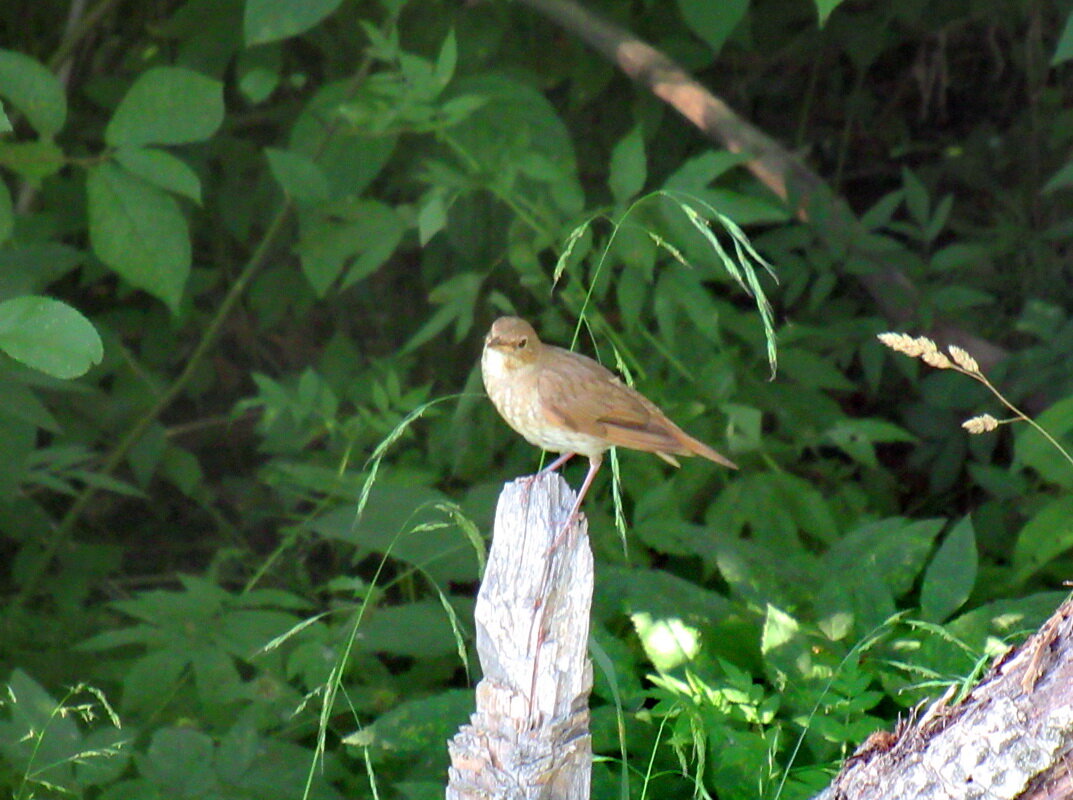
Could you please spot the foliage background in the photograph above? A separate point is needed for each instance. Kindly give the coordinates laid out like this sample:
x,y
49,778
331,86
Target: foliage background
x,y
289,226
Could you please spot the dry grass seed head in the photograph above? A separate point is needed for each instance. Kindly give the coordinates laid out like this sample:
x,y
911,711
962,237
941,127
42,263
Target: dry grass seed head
x,y
981,424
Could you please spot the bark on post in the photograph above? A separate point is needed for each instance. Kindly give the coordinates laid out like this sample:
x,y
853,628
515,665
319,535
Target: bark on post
x,y
1012,737
529,737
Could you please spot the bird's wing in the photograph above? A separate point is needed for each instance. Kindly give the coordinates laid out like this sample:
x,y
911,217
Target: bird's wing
x,y
585,397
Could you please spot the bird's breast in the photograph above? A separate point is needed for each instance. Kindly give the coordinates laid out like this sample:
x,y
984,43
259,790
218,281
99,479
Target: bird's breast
x,y
514,392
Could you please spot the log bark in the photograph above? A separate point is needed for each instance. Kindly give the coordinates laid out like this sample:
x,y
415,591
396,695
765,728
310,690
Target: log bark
x,y
1011,737
529,738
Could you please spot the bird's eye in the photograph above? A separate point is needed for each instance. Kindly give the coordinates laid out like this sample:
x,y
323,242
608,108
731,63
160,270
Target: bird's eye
x,y
523,342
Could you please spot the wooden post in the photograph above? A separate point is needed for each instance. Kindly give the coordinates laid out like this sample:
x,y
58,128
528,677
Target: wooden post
x,y
529,737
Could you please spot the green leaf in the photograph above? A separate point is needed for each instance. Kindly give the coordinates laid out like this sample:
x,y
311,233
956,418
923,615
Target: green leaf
x,y
19,401
410,726
415,629
299,175
35,91
447,60
916,197
457,299
1064,176
713,21
361,233
32,160
49,336
1043,538
950,576
695,174
857,437
167,105
628,169
259,73
1063,51
350,162
431,216
179,762
824,9
161,169
897,546
1031,449
271,20
139,232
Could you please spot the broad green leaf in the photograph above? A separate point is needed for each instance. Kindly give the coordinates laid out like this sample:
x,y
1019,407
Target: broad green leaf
x,y
34,91
667,641
418,629
447,59
49,336
695,174
1041,319
29,268
950,576
779,630
37,738
32,160
858,437
271,20
350,159
179,761
358,236
1043,538
713,21
409,524
299,175
917,199
962,254
1063,51
1033,450
19,401
410,726
5,123
631,590
824,9
628,169
167,105
432,216
896,546
259,72
457,299
139,231
162,169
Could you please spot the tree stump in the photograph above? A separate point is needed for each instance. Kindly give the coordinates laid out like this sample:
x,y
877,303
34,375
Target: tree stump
x,y
529,737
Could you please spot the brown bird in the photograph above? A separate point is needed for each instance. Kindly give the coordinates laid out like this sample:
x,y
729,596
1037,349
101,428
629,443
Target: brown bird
x,y
567,403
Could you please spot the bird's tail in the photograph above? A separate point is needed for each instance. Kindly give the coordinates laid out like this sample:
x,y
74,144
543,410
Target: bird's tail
x,y
701,449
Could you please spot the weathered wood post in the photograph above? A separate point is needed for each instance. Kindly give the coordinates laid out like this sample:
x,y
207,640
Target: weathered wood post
x,y
529,737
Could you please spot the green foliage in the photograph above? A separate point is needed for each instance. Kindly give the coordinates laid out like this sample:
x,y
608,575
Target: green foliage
x,y
249,249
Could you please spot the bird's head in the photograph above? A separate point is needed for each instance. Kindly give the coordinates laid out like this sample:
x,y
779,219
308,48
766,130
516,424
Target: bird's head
x,y
514,340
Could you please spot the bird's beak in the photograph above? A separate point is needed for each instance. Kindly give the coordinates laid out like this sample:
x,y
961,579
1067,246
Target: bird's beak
x,y
492,341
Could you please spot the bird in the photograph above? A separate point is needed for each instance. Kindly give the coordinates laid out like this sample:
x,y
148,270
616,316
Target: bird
x,y
567,403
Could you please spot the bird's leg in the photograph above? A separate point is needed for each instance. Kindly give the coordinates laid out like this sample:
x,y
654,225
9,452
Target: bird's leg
x,y
594,467
554,465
